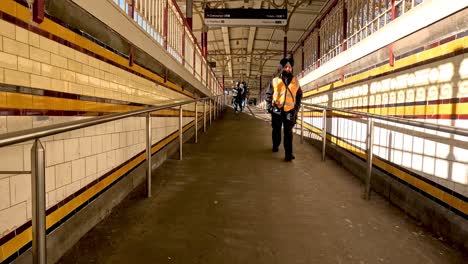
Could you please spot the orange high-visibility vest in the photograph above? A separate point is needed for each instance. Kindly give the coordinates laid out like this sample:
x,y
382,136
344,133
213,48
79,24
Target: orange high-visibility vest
x,y
282,98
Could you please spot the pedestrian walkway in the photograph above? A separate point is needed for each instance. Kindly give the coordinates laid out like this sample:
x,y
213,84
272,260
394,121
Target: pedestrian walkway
x,y
231,200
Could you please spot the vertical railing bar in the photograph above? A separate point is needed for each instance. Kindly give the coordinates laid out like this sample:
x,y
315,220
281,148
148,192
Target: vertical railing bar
x,y
180,132
196,122
209,103
39,242
302,125
204,115
324,133
148,155
370,143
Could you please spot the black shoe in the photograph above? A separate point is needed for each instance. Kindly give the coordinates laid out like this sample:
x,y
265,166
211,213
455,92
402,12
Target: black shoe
x,y
288,159
275,149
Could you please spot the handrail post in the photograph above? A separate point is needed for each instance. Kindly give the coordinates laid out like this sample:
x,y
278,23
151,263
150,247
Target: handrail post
x,y
39,246
302,125
196,122
370,144
324,133
148,155
215,109
204,115
209,103
180,132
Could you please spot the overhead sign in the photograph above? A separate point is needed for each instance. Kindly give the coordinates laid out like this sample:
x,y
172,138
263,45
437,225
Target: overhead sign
x,y
246,17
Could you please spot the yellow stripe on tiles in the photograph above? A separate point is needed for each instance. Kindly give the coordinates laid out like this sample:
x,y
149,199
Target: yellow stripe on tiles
x,y
20,240
444,49
443,196
37,102
14,9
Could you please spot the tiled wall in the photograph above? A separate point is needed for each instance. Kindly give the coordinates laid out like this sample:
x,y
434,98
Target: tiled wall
x,y
28,59
434,92
76,158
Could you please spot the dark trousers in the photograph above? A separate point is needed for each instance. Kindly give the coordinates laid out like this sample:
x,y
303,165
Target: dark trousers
x,y
278,120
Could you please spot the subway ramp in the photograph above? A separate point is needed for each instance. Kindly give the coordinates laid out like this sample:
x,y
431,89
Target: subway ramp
x,y
231,200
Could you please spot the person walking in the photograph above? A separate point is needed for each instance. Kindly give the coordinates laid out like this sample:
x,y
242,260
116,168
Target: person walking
x,y
283,98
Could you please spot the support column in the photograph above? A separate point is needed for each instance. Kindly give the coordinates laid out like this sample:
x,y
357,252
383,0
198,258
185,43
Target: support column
x,y
38,11
189,13
285,44
131,9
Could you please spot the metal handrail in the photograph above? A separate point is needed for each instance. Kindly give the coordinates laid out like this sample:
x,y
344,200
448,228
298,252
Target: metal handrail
x,y
34,133
443,128
38,193
370,132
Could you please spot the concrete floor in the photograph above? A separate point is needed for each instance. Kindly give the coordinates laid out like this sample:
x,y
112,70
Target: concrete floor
x,y
231,200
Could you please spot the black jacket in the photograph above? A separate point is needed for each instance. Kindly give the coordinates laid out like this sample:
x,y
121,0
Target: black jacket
x,y
270,91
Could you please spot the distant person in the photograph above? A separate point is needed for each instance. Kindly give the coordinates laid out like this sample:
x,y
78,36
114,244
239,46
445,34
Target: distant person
x,y
240,96
283,98
234,95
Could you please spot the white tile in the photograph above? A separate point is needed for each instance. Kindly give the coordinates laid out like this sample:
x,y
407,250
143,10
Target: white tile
x,y
136,137
85,147
63,174
4,193
72,188
90,131
78,170
50,178
54,152
141,136
3,124
77,133
17,123
29,208
27,155
91,165
115,141
40,121
11,158
85,181
110,127
111,159
62,136
119,156
60,194
102,162
106,142
20,188
100,129
96,144
129,138
72,149
12,218
51,198
118,126
123,139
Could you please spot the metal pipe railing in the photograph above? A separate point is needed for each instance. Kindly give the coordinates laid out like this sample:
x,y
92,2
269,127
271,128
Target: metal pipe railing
x,y
370,132
38,159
